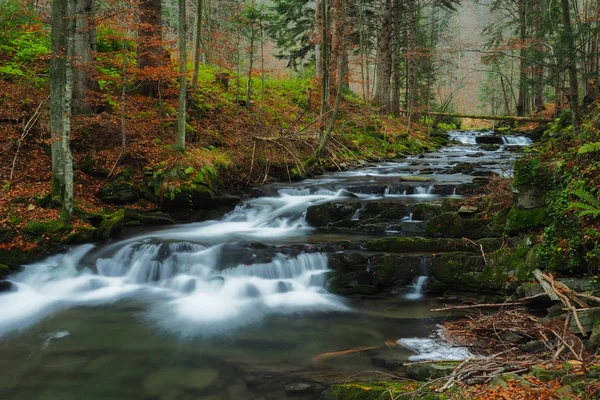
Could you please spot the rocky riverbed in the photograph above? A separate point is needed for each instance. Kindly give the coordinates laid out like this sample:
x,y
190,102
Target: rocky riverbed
x,y
247,305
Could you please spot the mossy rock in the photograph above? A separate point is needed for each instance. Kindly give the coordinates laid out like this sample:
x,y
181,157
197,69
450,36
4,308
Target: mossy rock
x,y
358,282
121,190
111,224
452,224
49,227
504,271
82,234
4,270
519,221
430,245
425,211
379,390
181,187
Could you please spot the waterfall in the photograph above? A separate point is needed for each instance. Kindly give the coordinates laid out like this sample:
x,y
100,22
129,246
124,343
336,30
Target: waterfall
x,y
416,289
516,140
424,191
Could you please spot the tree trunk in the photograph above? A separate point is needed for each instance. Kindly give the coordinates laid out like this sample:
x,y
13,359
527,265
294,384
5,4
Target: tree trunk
x,y
569,43
85,42
250,66
318,33
411,75
197,43
150,51
522,101
61,92
382,96
181,124
324,63
340,83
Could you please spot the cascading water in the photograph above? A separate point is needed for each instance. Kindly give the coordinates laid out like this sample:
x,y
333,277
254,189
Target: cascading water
x,y
424,191
516,140
416,290
192,283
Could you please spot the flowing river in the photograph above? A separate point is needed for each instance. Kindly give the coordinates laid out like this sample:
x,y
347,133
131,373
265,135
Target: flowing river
x,y
232,308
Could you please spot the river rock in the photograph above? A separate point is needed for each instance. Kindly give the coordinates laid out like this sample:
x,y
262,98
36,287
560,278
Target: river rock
x,y
6,286
453,224
425,372
299,387
489,139
529,196
461,168
425,211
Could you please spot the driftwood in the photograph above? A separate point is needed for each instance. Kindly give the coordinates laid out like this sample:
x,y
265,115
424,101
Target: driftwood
x,y
545,285
520,303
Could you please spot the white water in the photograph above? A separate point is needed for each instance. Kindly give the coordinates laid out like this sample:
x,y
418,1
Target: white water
x,y
416,289
179,273
431,349
424,191
516,140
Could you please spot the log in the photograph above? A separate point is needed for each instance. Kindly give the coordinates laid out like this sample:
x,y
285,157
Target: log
x,y
487,117
545,285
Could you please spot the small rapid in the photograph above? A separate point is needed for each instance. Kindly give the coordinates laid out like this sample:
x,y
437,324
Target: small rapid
x,y
186,275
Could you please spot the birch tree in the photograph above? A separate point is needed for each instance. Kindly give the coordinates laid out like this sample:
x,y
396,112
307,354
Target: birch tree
x,y
61,91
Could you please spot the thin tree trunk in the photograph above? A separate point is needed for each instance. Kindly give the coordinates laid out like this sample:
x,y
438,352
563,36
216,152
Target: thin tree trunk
x,y
85,37
522,101
340,83
61,92
181,125
324,64
411,75
198,43
572,67
250,64
382,96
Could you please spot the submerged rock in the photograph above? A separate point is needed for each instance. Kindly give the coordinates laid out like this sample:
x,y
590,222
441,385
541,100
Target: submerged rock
x,y
425,372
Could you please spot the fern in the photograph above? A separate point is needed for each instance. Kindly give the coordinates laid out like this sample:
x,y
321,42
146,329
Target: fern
x,y
589,148
589,206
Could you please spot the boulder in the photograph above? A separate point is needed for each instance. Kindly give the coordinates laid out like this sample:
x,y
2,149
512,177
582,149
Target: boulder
x,y
425,211
489,139
530,196
111,224
121,190
452,224
524,220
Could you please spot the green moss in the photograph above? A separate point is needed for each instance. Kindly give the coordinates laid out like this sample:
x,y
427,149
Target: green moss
x,y
46,227
111,224
501,273
83,234
531,171
379,390
519,221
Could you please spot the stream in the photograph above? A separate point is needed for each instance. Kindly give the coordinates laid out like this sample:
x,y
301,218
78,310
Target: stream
x,y
237,307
